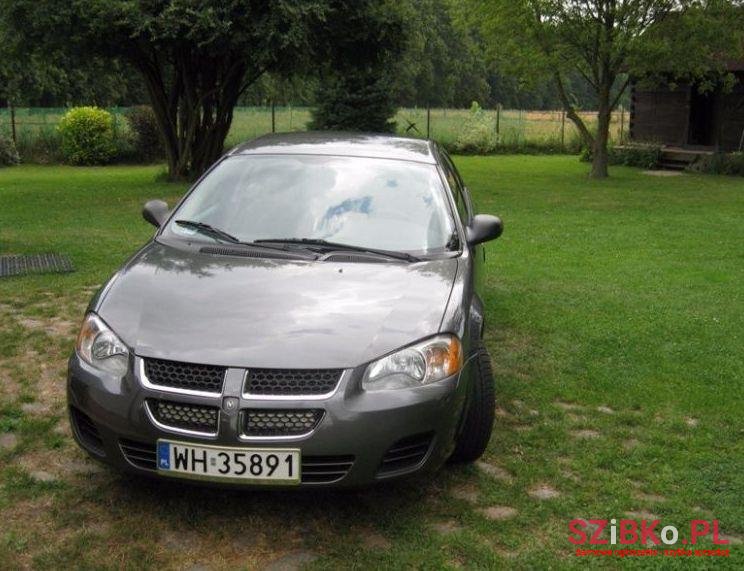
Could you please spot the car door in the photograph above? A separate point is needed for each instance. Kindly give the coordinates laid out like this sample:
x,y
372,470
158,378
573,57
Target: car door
x,y
465,211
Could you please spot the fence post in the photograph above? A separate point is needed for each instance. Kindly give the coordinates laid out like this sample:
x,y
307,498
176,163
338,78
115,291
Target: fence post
x,y
290,116
563,129
12,122
428,120
498,119
622,123
273,118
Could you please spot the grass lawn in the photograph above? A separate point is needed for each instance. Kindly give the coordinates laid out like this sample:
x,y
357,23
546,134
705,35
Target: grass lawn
x,y
616,326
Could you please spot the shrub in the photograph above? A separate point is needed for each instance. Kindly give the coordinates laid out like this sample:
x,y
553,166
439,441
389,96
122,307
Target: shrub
x,y
478,135
42,147
8,153
641,155
720,163
87,136
145,134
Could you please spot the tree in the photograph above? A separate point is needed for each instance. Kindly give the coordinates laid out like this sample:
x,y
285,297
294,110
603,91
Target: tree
x,y
443,66
603,40
196,57
358,66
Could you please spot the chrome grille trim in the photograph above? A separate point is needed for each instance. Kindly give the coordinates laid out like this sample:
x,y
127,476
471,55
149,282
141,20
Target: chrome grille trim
x,y
345,373
140,367
178,430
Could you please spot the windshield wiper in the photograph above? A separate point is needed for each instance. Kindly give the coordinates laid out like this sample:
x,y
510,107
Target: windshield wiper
x,y
210,230
325,244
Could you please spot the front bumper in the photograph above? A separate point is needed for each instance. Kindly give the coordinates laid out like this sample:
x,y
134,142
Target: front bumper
x,y
351,446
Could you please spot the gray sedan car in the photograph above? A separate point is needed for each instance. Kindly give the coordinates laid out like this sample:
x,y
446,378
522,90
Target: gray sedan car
x,y
310,313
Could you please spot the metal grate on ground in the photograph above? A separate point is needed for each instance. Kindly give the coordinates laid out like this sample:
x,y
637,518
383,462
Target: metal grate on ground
x,y
35,264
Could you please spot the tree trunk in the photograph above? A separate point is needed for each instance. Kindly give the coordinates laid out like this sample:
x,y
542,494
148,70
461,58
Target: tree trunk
x,y
600,153
571,113
194,116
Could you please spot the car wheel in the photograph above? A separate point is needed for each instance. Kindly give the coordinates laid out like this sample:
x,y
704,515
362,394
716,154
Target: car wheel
x,y
477,422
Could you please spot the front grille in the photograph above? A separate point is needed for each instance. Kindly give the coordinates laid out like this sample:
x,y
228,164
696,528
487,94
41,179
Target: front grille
x,y
405,453
196,417
139,454
325,469
291,381
208,378
277,422
86,431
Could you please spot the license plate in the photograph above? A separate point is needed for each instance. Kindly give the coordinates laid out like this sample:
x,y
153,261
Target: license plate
x,y
254,465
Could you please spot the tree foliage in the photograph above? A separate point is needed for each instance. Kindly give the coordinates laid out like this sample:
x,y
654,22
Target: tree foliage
x,y
196,57
602,40
358,68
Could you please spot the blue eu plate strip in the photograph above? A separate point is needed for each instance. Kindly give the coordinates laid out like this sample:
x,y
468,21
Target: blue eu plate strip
x,y
164,455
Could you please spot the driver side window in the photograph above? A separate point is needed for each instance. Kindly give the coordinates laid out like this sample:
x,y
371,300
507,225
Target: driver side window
x,y
458,191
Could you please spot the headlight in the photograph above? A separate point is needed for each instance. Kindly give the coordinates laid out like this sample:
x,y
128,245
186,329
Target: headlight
x,y
100,347
426,362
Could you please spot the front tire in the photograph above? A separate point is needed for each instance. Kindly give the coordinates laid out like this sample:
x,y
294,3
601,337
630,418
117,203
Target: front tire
x,y
477,423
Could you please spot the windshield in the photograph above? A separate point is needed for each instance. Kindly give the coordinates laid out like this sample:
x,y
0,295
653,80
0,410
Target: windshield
x,y
373,203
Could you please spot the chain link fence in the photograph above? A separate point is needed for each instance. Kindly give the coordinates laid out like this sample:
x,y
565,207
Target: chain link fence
x,y
508,127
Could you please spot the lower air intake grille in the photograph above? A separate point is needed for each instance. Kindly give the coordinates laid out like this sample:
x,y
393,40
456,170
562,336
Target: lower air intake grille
x,y
139,454
208,378
182,415
325,469
291,381
278,422
406,453
86,431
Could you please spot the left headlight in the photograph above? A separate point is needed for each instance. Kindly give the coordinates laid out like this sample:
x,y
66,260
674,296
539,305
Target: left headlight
x,y
426,362
100,347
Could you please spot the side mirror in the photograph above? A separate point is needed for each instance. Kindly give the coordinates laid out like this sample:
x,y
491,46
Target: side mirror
x,y
483,228
155,212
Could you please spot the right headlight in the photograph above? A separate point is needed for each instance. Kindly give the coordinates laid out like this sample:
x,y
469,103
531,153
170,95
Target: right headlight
x,y
426,362
97,345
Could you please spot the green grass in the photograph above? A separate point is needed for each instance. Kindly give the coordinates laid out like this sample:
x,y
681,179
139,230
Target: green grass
x,y
625,294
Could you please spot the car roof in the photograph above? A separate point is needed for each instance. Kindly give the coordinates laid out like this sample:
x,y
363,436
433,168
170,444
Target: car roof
x,y
340,144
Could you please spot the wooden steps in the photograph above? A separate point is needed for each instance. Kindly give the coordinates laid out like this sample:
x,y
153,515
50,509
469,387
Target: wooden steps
x,y
678,159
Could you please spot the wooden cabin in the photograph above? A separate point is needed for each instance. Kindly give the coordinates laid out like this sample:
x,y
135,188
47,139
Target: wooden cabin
x,y
688,117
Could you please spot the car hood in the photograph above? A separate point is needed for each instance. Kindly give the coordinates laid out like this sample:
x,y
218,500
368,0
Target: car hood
x,y
251,312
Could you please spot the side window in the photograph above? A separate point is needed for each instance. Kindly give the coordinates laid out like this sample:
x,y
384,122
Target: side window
x,y
458,191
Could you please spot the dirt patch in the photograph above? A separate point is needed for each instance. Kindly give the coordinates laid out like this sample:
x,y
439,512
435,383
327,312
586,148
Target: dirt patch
x,y
691,422
374,541
569,475
495,472
57,465
32,521
567,405
8,441
642,514
605,410
54,326
501,413
732,539
630,443
652,498
446,527
662,173
292,561
586,434
466,492
543,492
498,513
